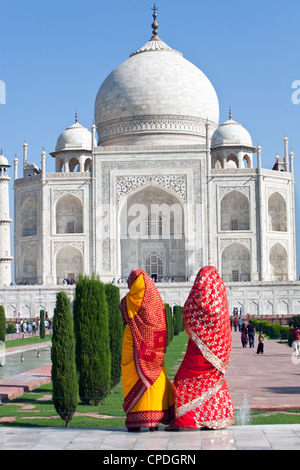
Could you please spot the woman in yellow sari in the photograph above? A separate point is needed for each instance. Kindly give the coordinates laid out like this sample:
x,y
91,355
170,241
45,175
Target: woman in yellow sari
x,y
148,394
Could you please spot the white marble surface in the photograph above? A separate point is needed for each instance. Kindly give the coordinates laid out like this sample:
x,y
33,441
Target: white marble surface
x,y
278,437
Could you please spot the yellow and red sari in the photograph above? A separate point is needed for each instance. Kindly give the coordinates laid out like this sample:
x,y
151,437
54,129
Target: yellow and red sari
x,y
148,394
202,398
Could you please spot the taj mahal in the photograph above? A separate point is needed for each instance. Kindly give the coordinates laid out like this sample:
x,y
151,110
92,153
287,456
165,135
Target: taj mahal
x,y
156,182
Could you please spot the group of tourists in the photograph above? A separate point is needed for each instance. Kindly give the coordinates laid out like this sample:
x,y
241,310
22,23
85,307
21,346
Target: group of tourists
x,y
199,397
31,326
247,333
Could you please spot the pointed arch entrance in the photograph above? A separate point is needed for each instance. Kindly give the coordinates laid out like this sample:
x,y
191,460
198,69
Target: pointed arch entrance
x,y
152,234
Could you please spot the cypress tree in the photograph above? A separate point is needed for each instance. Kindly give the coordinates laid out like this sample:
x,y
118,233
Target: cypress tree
x,y
93,358
170,322
177,315
116,330
63,372
42,324
2,324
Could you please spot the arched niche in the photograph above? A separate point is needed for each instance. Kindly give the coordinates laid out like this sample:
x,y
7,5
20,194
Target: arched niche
x,y
277,213
69,264
29,265
69,215
60,165
246,161
88,164
278,263
236,263
217,162
29,218
74,165
151,222
235,212
154,266
232,161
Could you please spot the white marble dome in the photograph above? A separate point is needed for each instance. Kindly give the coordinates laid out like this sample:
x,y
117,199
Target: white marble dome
x,y
74,137
3,160
231,133
155,95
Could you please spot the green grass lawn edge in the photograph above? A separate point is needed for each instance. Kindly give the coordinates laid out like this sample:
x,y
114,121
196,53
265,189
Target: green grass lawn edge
x,y
44,414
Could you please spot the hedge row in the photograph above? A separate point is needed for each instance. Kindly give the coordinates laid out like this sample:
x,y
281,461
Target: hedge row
x,y
272,330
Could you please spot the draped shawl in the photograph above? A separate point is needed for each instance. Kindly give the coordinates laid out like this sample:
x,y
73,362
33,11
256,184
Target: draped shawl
x,y
144,312
206,318
202,396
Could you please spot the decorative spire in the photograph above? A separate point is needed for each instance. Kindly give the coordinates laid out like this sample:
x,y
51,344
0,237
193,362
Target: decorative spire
x,y
154,24
155,43
230,116
76,116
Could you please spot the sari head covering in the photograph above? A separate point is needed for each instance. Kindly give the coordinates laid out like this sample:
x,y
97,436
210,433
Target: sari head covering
x,y
202,398
144,313
206,317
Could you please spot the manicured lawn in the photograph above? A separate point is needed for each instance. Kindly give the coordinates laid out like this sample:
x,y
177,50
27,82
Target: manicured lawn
x,y
36,408
25,341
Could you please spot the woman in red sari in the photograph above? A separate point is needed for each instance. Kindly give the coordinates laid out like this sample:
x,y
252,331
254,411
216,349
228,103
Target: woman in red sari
x,y
202,398
148,394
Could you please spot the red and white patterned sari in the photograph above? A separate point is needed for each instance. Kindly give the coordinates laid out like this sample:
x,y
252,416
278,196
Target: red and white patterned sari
x,y
202,397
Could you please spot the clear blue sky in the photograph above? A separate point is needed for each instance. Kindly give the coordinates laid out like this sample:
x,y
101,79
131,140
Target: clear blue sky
x,y
55,55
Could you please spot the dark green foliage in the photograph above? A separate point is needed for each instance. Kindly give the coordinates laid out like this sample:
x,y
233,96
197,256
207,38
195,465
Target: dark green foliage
x,y
177,315
272,330
295,320
63,372
42,324
170,322
11,328
93,357
2,324
116,330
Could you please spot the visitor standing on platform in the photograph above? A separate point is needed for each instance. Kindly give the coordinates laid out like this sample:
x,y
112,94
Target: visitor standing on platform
x,y
251,333
244,336
148,394
260,347
202,398
295,331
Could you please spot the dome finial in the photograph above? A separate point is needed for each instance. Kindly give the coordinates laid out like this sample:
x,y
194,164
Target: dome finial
x,y
230,116
76,116
154,24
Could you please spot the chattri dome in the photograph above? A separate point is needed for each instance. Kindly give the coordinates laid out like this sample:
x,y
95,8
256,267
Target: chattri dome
x,y
3,160
155,96
74,137
231,133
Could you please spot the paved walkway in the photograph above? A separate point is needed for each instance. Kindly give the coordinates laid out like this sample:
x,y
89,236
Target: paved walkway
x,y
15,386
117,440
268,381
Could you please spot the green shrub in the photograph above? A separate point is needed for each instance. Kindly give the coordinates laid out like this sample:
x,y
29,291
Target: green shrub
x,y
177,315
275,331
42,324
294,320
272,330
11,328
63,371
116,331
2,324
93,357
170,323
